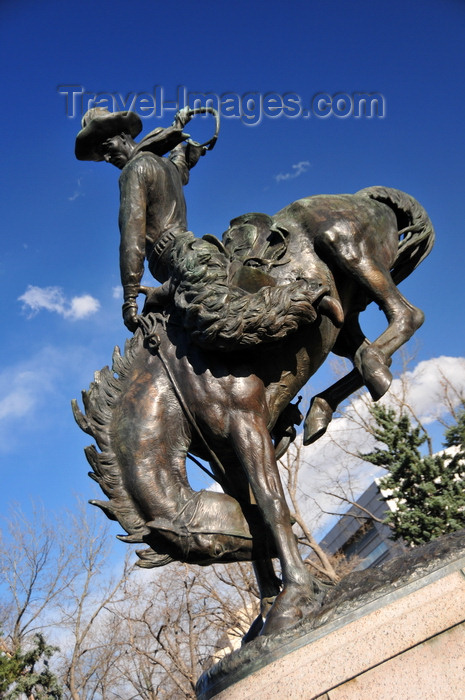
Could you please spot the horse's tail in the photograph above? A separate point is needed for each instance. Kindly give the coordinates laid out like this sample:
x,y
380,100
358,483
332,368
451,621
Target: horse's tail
x,y
416,232
98,402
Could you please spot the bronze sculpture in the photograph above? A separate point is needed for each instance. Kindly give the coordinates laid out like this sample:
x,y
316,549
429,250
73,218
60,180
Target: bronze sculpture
x,y
195,378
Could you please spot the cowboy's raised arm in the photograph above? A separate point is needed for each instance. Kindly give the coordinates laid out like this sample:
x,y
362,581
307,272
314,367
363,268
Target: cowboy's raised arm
x,y
132,224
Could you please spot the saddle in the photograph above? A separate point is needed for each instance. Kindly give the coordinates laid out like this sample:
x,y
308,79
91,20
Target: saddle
x,y
253,245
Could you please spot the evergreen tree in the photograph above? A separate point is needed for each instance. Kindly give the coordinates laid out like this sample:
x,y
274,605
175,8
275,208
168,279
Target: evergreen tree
x,y
455,435
19,675
428,490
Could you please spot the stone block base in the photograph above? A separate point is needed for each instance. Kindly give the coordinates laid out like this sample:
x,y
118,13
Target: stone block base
x,y
397,632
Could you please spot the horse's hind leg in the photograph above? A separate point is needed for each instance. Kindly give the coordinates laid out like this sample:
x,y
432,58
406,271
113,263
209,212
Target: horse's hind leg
x,y
373,360
323,405
367,257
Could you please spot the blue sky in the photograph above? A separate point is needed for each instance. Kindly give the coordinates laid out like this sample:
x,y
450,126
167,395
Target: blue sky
x,y
59,216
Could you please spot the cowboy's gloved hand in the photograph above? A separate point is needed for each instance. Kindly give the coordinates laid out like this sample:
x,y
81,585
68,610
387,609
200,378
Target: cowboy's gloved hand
x,y
130,315
183,116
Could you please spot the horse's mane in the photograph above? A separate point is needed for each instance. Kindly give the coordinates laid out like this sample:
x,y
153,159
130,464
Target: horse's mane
x,y
99,401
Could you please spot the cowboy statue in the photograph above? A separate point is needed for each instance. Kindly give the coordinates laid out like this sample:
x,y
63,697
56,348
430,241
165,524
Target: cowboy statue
x,y
194,379
225,304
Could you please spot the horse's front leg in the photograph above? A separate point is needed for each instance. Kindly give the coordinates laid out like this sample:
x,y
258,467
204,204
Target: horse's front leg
x,y
254,448
351,340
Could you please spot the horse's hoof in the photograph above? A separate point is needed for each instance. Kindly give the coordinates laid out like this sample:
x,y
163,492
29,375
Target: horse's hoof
x,y
257,625
317,420
288,610
379,382
376,375
253,631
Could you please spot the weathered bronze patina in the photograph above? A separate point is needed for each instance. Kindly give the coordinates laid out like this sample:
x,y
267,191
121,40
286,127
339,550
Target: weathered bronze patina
x,y
221,348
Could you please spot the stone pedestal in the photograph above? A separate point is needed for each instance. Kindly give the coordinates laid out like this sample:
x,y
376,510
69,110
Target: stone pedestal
x,y
397,632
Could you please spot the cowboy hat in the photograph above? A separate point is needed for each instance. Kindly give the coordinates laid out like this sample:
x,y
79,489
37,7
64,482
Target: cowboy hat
x,y
98,125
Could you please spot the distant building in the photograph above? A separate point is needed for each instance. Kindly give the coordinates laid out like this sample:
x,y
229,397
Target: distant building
x,y
357,535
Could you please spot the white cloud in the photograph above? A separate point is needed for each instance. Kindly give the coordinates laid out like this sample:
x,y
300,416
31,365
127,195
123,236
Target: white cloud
x,y
52,299
297,169
18,398
81,307
117,292
24,387
77,192
36,390
426,386
331,464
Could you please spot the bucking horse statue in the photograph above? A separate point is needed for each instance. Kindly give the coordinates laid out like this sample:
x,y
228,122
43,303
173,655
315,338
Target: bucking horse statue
x,y
235,330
